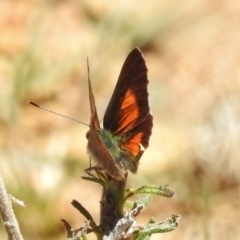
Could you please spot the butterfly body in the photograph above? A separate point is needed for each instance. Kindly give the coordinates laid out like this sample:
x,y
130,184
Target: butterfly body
x,y
119,154
127,123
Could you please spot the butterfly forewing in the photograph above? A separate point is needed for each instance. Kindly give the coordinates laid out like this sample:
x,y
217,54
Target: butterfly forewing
x,y
128,106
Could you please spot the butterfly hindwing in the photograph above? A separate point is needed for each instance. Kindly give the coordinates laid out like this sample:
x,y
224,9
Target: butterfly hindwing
x,y
137,141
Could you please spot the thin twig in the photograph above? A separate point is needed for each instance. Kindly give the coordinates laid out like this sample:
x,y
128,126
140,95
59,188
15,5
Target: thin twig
x,y
6,212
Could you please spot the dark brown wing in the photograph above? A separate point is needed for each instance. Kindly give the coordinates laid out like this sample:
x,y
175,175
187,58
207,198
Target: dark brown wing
x,y
127,113
128,106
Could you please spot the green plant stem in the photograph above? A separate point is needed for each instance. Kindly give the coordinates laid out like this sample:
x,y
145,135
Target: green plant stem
x,y
111,205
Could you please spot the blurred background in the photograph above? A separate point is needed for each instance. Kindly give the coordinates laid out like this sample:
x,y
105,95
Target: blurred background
x,y
192,50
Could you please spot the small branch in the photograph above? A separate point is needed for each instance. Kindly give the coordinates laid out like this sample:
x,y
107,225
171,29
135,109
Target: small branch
x,y
6,212
16,201
76,234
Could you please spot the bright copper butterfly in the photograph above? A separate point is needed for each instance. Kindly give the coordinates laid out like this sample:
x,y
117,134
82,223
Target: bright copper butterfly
x,y
127,122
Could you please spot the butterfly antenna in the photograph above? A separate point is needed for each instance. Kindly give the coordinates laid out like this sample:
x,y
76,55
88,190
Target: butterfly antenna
x,y
59,114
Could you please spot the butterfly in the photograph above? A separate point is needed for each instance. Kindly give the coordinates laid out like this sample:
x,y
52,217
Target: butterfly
x,y
127,122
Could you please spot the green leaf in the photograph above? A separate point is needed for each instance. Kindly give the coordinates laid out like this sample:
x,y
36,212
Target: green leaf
x,y
96,180
151,189
84,237
144,200
162,227
143,237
